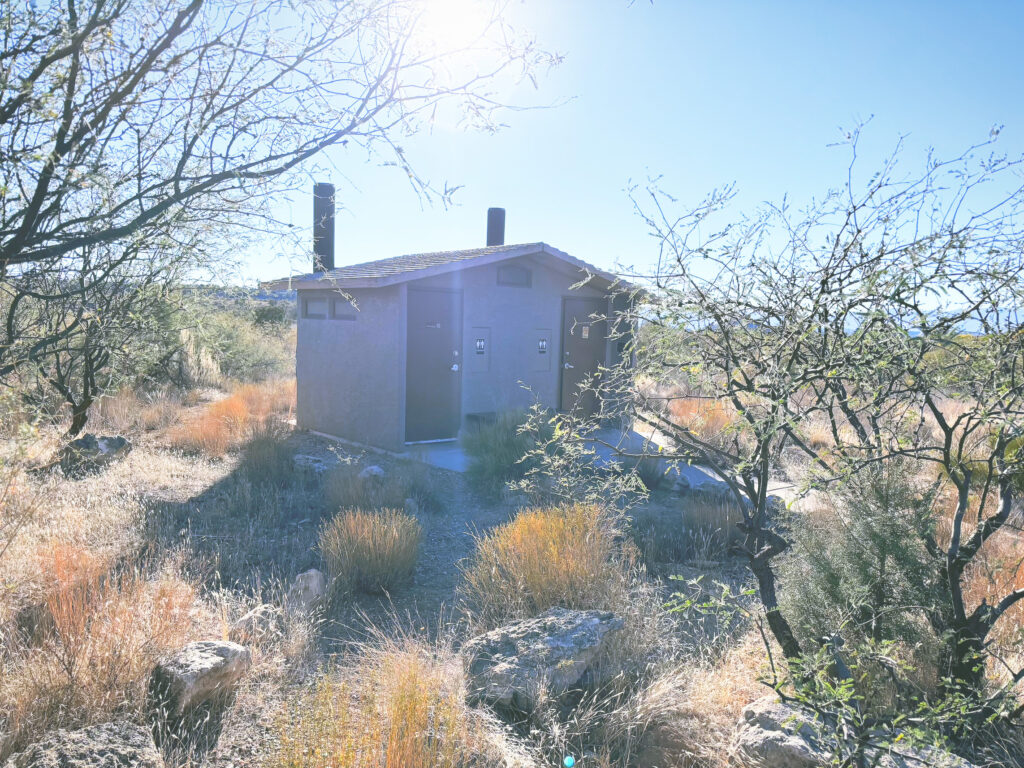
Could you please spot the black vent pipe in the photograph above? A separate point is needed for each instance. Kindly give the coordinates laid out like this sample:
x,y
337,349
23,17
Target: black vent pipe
x,y
495,226
323,227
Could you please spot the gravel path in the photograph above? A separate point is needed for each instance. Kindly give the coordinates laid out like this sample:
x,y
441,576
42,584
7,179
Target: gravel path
x,y
446,542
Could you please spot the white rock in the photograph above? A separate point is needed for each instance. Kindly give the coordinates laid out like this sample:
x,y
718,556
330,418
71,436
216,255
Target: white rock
x,y
776,735
307,592
371,471
314,464
197,673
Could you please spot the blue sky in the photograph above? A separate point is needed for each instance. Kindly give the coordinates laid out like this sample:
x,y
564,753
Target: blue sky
x,y
703,94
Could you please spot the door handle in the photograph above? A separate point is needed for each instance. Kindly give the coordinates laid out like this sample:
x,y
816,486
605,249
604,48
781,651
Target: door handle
x,y
455,367
567,366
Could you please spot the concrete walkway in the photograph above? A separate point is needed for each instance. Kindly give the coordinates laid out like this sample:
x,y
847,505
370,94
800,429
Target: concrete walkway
x,y
607,445
447,455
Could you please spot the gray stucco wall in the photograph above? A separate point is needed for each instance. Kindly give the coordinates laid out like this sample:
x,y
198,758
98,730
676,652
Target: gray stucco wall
x,y
351,372
512,319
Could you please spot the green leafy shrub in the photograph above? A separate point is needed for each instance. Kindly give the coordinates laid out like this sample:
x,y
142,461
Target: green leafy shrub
x,y
370,551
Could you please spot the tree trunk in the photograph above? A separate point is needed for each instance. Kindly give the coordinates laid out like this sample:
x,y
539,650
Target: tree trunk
x,y
780,628
966,660
79,417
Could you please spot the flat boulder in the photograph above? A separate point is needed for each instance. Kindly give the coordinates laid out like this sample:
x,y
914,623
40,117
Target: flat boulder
x,y
772,734
110,745
90,454
775,734
201,671
509,666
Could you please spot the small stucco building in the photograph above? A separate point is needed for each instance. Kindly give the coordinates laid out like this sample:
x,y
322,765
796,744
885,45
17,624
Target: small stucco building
x,y
415,348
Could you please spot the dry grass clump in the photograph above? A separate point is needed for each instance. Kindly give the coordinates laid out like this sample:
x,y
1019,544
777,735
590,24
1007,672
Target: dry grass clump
x,y
556,556
710,419
93,642
344,488
400,704
370,551
699,531
689,712
710,520
267,456
125,412
226,423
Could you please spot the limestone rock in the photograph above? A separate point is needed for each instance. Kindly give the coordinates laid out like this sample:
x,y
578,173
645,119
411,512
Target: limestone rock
x,y
199,672
776,735
111,745
90,454
313,464
307,592
510,665
258,624
371,471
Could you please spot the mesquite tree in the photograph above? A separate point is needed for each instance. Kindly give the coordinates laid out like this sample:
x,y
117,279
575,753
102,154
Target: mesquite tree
x,y
881,323
126,122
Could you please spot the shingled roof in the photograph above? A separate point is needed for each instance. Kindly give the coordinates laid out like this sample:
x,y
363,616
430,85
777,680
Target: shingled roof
x,y
416,265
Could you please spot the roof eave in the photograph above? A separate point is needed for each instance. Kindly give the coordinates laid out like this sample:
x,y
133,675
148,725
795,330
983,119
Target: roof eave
x,y
305,282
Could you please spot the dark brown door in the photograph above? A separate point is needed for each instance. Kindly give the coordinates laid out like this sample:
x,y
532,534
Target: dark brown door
x,y
433,371
583,346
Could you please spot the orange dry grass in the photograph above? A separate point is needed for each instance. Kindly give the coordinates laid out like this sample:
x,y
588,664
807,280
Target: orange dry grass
x,y
707,418
96,639
565,556
267,398
224,424
400,706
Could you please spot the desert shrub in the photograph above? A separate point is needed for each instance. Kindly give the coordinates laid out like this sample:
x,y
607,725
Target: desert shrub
x,y
93,645
272,314
399,703
244,349
860,569
567,556
499,450
370,551
711,419
345,488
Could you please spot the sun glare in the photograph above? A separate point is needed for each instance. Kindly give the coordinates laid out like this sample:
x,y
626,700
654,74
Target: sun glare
x,y
454,24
